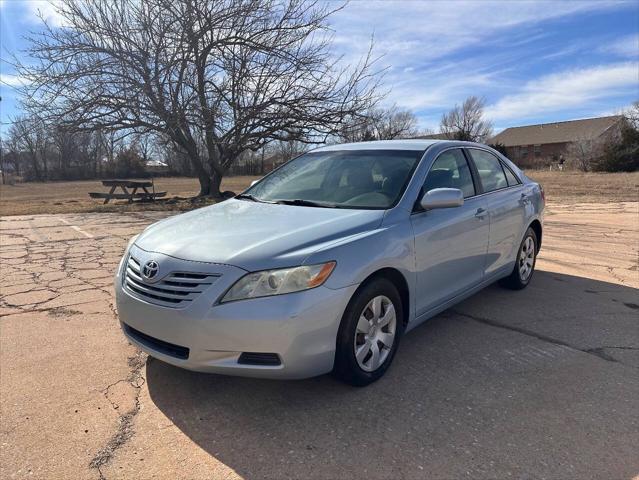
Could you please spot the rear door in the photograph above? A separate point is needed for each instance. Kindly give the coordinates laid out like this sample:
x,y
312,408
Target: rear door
x,y
506,205
450,243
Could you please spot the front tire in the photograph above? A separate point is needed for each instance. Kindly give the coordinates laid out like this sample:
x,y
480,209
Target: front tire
x,y
369,333
525,263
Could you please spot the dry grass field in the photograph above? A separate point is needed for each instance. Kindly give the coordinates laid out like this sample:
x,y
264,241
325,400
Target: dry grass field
x,y
73,197
573,187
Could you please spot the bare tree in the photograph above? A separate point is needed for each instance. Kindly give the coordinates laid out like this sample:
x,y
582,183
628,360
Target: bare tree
x,y
584,152
29,136
467,122
391,123
11,153
632,115
216,77
3,163
380,124
285,151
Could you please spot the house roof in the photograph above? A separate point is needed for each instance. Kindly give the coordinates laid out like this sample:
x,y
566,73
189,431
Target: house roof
x,y
558,132
156,163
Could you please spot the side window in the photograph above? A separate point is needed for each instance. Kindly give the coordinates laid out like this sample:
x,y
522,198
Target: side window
x,y
510,176
490,172
450,170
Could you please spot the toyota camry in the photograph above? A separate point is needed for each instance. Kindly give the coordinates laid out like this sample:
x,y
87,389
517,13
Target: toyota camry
x,y
324,264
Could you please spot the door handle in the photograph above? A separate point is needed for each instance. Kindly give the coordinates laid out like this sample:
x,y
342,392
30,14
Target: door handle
x,y
480,213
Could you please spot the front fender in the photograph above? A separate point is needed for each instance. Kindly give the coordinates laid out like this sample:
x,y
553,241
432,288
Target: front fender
x,y
360,256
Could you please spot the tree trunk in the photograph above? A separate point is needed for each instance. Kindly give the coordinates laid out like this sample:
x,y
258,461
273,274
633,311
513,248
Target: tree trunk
x,y
210,185
216,181
205,184
35,167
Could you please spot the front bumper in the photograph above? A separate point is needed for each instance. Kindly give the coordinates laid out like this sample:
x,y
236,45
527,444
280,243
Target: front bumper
x,y
300,328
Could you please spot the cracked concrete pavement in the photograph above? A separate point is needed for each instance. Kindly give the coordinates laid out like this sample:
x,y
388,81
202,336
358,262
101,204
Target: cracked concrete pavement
x,y
540,383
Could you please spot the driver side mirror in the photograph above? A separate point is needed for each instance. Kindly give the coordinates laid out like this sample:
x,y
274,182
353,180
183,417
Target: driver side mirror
x,y
254,182
442,198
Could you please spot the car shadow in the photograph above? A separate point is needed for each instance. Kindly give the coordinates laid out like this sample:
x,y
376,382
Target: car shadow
x,y
453,404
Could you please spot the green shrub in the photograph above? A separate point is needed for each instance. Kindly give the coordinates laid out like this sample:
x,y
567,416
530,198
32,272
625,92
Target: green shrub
x,y
621,154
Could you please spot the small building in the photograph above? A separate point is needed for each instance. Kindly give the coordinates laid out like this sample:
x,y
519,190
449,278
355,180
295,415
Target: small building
x,y
547,143
156,167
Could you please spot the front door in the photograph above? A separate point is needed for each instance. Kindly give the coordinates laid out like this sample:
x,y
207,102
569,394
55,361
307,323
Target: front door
x,y
450,243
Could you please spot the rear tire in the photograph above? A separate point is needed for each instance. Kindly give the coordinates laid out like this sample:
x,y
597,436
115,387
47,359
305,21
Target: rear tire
x,y
369,333
524,264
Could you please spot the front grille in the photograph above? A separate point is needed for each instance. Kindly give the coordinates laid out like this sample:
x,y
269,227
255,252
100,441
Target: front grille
x,y
255,358
156,344
176,290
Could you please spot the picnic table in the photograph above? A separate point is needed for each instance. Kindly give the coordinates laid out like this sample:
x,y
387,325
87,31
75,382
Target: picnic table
x,y
130,191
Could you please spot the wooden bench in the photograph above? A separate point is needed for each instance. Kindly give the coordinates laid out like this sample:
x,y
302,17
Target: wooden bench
x,y
130,191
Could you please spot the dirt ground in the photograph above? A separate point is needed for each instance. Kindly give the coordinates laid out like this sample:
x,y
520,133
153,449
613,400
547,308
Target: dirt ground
x,y
540,383
73,197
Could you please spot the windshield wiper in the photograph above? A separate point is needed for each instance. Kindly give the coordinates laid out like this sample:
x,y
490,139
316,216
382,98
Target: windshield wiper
x,y
305,203
248,196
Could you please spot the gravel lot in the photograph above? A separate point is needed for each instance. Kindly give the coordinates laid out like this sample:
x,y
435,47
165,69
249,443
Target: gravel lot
x,y
540,383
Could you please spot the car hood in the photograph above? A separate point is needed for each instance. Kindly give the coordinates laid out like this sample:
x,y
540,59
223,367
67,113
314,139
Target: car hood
x,y
254,236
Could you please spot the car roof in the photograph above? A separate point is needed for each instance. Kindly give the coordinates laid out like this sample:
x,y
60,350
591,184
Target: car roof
x,y
381,145
408,144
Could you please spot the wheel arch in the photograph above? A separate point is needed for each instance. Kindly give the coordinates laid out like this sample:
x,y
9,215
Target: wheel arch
x,y
537,228
399,281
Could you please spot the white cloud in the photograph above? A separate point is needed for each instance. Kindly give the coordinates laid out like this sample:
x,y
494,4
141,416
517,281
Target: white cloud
x,y
567,90
412,30
11,80
47,10
438,53
625,47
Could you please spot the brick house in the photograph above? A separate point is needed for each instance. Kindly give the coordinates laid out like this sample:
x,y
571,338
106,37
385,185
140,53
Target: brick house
x,y
544,144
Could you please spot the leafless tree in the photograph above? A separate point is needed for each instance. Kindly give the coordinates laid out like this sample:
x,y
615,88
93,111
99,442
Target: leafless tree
x,y
380,124
584,152
29,136
285,151
632,115
3,162
391,123
216,77
467,122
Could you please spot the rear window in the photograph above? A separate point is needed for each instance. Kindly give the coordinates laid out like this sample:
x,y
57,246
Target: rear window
x,y
510,176
491,173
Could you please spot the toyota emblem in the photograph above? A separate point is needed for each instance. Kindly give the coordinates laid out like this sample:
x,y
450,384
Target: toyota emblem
x,y
150,270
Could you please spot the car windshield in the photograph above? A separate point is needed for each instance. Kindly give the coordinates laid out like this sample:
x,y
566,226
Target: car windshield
x,y
370,179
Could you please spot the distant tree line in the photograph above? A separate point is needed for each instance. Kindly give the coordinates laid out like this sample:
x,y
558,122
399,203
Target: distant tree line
x,y
35,149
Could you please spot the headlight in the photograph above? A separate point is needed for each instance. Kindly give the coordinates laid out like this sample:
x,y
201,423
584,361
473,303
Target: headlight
x,y
278,282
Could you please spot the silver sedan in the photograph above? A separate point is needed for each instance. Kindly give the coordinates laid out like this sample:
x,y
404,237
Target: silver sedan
x,y
326,262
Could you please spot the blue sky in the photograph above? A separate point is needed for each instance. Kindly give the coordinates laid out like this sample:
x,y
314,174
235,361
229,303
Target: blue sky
x,y
533,61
